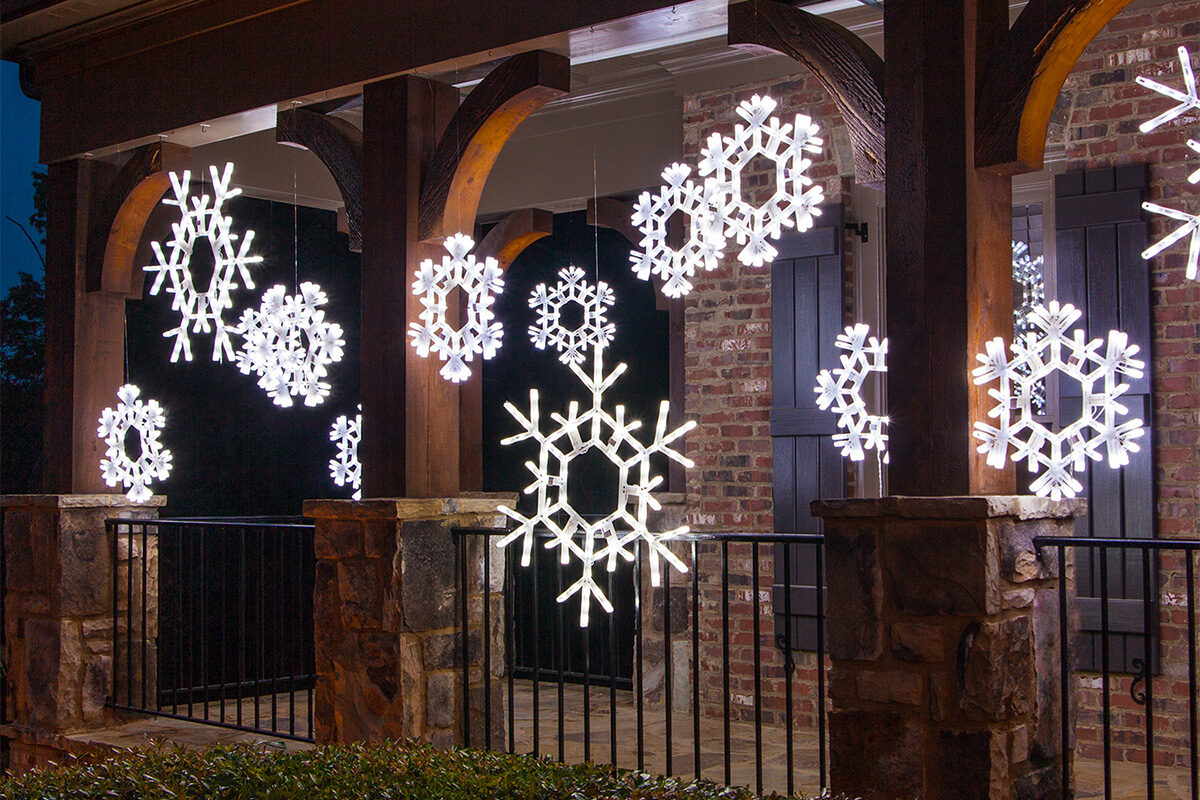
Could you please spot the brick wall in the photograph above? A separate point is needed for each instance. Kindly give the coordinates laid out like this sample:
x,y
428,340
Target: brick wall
x,y
1096,125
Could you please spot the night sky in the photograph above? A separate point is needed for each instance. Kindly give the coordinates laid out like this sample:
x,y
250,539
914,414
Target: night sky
x,y
18,158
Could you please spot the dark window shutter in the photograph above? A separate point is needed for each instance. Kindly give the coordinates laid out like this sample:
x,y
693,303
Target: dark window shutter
x,y
806,317
1101,233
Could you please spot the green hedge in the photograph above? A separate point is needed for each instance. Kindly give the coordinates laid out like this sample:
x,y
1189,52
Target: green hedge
x,y
347,772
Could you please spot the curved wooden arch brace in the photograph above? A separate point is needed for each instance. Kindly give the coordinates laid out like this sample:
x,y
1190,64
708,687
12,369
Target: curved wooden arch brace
x,y
454,180
1025,75
509,237
339,145
848,69
116,230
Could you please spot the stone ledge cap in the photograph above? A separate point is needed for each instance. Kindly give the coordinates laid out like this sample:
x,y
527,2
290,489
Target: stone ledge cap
x,y
409,508
78,501
963,507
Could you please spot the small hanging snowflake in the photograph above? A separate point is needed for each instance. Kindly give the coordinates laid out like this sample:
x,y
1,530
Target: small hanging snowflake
x,y
1035,358
704,240
1029,274
202,310
791,205
346,469
1187,102
289,345
153,461
594,329
841,389
618,533
479,335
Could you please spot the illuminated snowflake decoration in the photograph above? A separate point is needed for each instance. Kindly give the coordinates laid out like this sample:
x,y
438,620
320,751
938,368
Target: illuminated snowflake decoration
x,y
479,335
289,345
841,390
1187,101
704,240
346,433
1029,274
153,461
795,201
594,329
618,533
1190,227
202,310
1097,366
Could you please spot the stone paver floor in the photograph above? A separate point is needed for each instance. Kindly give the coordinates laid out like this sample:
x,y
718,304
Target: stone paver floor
x,y
1129,782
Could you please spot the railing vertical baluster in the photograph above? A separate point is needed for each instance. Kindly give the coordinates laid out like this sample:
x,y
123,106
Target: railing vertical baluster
x,y
637,658
820,569
145,628
562,659
510,622
1193,689
487,642
1149,606
202,541
262,625
1104,700
223,588
696,658
464,627
277,650
115,530
725,653
241,623
537,654
668,667
293,670
788,670
612,678
756,627
587,690
1064,671
181,587
129,614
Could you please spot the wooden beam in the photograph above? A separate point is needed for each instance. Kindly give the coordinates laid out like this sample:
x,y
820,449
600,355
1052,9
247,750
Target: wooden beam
x,y
504,242
116,228
475,136
1024,76
849,70
339,145
606,212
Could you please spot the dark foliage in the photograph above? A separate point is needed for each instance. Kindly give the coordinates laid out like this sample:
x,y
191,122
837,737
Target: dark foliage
x,y
22,315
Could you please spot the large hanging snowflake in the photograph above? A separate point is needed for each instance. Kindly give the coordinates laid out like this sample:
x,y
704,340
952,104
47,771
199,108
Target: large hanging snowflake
x,y
202,309
618,533
153,461
841,389
1034,359
1029,274
346,469
704,239
1188,101
791,204
289,345
479,334
550,302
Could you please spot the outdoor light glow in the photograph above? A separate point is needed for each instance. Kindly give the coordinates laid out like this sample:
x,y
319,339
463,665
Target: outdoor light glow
x,y
792,205
479,335
202,309
1186,102
841,389
704,239
618,533
346,469
289,345
153,462
571,343
1035,357
1028,272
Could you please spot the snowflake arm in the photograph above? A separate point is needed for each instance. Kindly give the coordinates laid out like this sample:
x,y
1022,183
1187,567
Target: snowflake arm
x,y
346,468
1187,101
153,461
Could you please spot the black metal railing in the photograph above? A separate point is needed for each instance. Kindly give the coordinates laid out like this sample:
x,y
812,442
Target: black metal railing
x,y
713,684
1167,569
213,621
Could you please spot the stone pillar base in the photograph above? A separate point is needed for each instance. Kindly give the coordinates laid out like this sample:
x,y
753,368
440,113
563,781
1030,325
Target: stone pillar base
x,y
58,631
388,652
943,633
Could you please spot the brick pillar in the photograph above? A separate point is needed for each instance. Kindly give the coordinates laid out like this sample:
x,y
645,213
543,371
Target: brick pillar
x,y
943,633
387,616
58,615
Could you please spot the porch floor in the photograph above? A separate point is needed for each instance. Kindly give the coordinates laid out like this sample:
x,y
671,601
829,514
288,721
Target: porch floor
x,y
1129,779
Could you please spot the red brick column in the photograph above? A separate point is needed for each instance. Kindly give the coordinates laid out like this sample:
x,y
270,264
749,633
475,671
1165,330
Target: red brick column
x,y
943,633
386,618
58,615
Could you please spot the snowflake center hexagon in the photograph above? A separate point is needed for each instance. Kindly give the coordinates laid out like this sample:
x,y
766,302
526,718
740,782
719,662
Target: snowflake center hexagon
x,y
1097,366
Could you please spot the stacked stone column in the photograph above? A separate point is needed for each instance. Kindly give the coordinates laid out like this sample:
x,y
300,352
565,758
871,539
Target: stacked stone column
x,y
387,609
58,615
944,640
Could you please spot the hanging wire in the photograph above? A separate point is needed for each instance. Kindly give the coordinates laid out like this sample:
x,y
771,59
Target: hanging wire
x,y
295,222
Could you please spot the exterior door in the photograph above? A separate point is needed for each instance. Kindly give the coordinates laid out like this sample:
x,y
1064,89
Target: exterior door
x,y
806,317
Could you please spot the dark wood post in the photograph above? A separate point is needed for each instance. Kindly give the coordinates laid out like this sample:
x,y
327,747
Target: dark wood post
x,y
948,254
